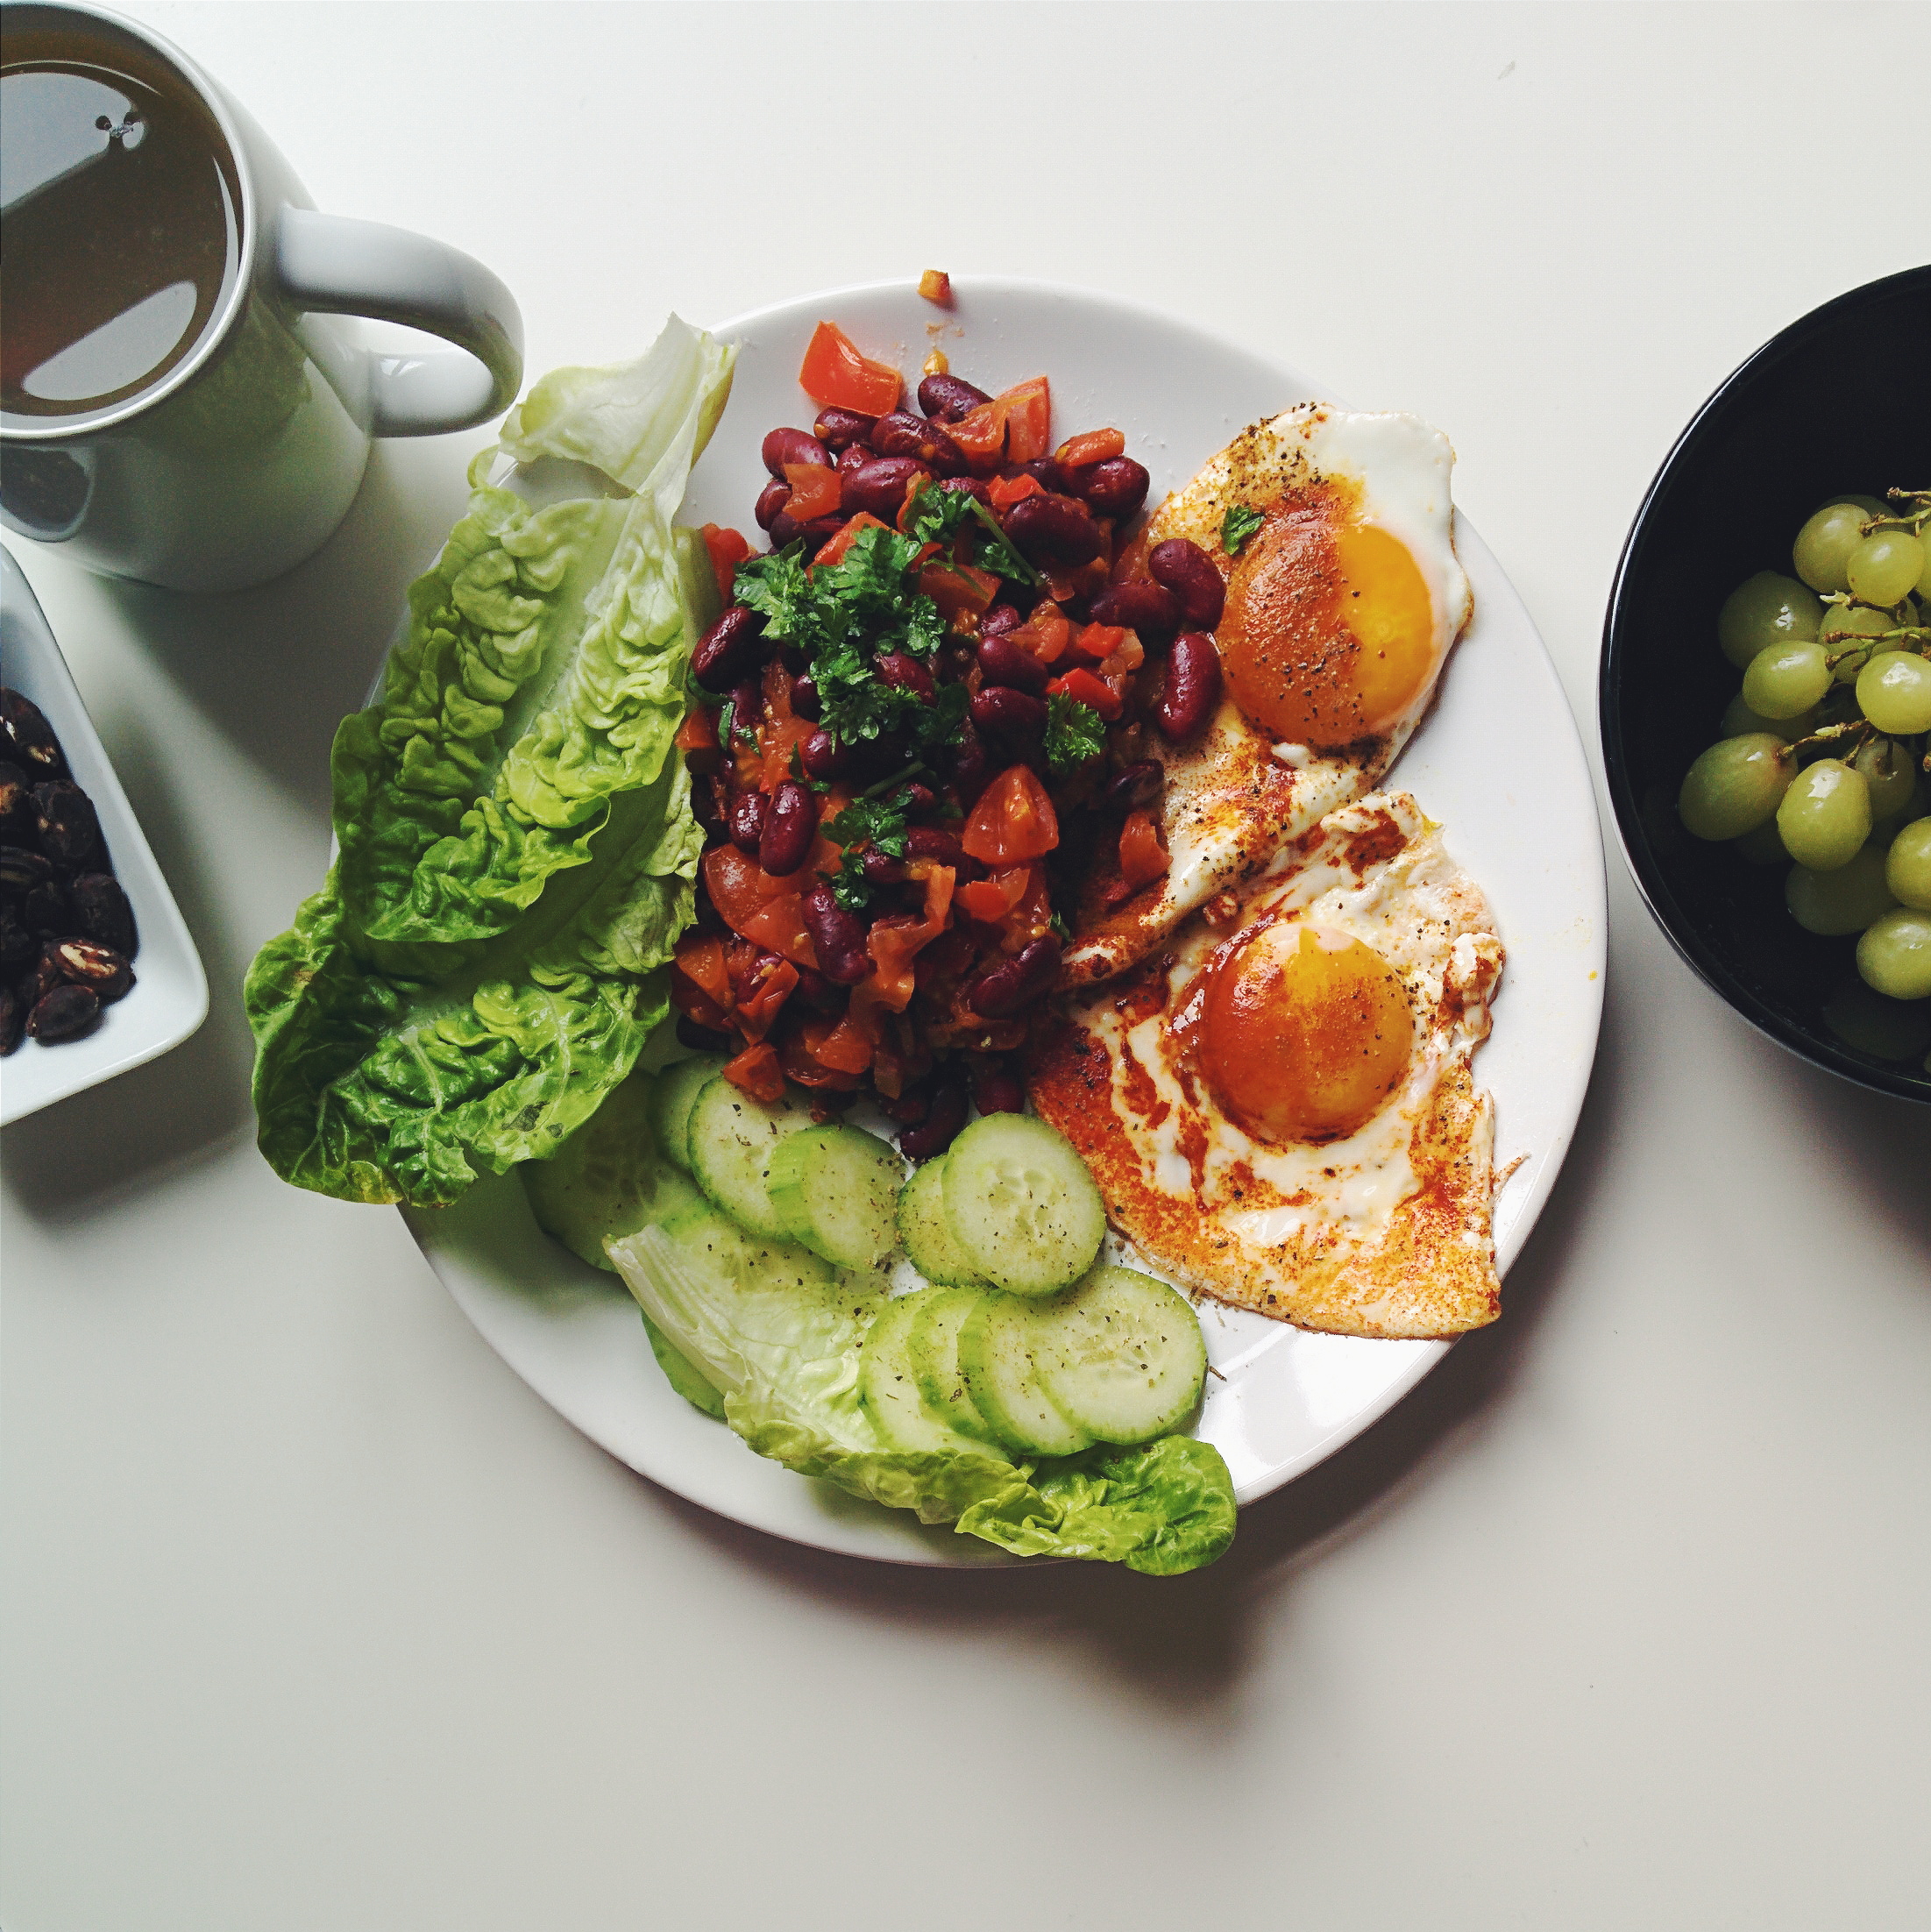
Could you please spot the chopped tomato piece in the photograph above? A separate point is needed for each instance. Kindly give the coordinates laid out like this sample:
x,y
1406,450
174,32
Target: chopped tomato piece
x,y
981,435
939,879
1097,643
838,1044
990,900
757,1073
843,540
956,588
936,286
814,491
1088,690
1028,407
774,985
728,549
1013,820
834,375
697,740
761,908
701,961
1096,446
893,943
1142,855
1005,490
1044,635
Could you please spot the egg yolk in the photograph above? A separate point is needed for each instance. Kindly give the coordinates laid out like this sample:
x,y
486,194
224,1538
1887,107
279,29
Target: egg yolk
x,y
1328,633
1305,1032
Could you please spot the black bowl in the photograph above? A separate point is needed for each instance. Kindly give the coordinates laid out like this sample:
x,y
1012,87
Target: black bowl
x,y
1839,400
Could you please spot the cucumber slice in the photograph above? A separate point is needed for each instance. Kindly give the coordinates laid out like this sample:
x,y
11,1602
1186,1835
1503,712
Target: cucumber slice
x,y
996,1348
835,1188
1122,1355
888,1383
922,1229
934,1350
1021,1206
678,1085
733,1138
607,1179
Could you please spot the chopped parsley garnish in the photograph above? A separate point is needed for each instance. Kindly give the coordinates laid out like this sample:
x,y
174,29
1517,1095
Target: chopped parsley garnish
x,y
1073,732
876,820
938,516
1236,525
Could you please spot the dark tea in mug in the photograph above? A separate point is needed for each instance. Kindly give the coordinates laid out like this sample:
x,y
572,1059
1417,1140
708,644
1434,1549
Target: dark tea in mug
x,y
120,212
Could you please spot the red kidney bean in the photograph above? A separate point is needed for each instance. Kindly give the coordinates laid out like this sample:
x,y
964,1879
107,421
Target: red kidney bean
x,y
816,533
746,821
1006,663
1017,982
790,826
838,429
1050,473
1142,606
881,868
1190,689
904,672
996,1088
944,1117
818,992
903,434
880,758
1115,488
805,696
770,500
879,487
966,486
1001,618
1189,572
821,756
1016,716
969,766
1136,785
837,937
1058,531
727,649
920,799
945,399
703,1039
747,707
782,446
853,456
932,841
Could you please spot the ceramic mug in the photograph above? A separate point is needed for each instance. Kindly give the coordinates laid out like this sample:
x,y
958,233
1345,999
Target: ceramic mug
x,y
241,458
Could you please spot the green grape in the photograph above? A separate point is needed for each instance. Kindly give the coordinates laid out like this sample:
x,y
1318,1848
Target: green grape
x,y
1783,679
1764,610
1843,627
1824,545
1738,719
1734,787
1922,587
1894,955
1888,769
1895,689
1884,567
1825,814
1907,866
1886,1029
1871,506
1763,846
1844,901
1918,805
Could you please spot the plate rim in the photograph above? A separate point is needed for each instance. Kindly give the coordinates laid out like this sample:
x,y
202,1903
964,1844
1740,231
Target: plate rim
x,y
1554,1156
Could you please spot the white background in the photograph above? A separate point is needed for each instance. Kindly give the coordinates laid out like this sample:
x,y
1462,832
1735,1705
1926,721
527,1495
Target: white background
x,y
314,1617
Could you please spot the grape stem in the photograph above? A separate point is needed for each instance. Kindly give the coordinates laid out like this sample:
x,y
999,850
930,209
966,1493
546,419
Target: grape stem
x,y
1913,519
1860,728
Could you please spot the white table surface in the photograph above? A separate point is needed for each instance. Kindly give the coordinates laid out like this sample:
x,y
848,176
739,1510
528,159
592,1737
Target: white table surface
x,y
314,1617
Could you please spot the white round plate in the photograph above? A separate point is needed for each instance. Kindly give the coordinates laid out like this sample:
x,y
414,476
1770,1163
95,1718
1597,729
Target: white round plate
x,y
1524,825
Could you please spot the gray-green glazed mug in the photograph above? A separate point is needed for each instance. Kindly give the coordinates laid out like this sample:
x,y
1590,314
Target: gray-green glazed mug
x,y
181,404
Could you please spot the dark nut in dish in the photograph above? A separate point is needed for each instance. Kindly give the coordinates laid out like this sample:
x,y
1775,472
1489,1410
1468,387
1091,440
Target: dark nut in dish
x,y
47,912
946,398
16,804
13,1020
782,446
100,967
42,976
17,944
64,1012
29,737
1191,688
102,913
1057,531
1189,572
22,868
68,831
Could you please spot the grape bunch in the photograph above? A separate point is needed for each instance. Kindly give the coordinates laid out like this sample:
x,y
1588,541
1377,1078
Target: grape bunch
x,y
1823,757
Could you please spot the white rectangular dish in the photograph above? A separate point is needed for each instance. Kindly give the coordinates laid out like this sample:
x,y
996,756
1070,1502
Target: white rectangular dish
x,y
169,999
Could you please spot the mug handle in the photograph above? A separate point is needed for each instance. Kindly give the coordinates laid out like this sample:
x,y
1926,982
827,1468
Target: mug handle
x,y
340,267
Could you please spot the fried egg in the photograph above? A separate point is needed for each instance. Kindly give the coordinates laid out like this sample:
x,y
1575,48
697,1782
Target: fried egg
x,y
1341,609
1281,1110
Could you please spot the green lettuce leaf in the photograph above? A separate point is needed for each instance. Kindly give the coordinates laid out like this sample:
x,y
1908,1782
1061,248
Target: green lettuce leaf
x,y
397,1073
782,1345
541,672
